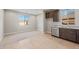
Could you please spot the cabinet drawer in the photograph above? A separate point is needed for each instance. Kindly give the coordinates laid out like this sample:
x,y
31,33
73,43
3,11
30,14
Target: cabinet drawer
x,y
68,34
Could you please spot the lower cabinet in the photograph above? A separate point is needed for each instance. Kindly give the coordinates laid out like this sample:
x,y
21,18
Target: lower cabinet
x,y
78,36
68,34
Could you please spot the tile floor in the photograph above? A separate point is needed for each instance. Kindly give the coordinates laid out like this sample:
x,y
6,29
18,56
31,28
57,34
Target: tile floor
x,y
35,40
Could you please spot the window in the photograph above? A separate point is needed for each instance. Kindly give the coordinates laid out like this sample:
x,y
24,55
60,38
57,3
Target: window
x,y
67,12
24,20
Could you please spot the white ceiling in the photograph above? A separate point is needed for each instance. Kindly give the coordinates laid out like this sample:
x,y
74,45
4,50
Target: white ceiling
x,y
29,11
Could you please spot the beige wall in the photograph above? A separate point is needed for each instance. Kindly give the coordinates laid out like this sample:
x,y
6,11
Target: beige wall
x,y
40,22
11,23
1,23
77,17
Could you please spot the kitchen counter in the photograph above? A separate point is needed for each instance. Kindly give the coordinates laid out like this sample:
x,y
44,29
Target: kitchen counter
x,y
71,34
56,30
70,27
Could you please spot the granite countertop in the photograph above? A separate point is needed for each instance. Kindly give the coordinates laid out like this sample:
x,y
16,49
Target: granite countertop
x,y
69,27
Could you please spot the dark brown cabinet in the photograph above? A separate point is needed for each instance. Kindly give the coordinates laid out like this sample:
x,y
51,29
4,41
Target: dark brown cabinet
x,y
61,33
78,36
47,15
68,34
53,14
56,16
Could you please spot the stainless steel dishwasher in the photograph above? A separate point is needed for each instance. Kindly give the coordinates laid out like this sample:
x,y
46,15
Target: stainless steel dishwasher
x,y
55,31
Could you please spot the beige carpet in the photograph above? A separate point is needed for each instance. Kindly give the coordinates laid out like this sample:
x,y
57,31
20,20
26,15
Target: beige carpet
x,y
35,40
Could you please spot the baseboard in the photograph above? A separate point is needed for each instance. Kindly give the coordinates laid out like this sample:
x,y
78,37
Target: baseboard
x,y
6,34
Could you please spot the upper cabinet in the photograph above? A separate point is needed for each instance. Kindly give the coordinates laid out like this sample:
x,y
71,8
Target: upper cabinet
x,y
53,14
